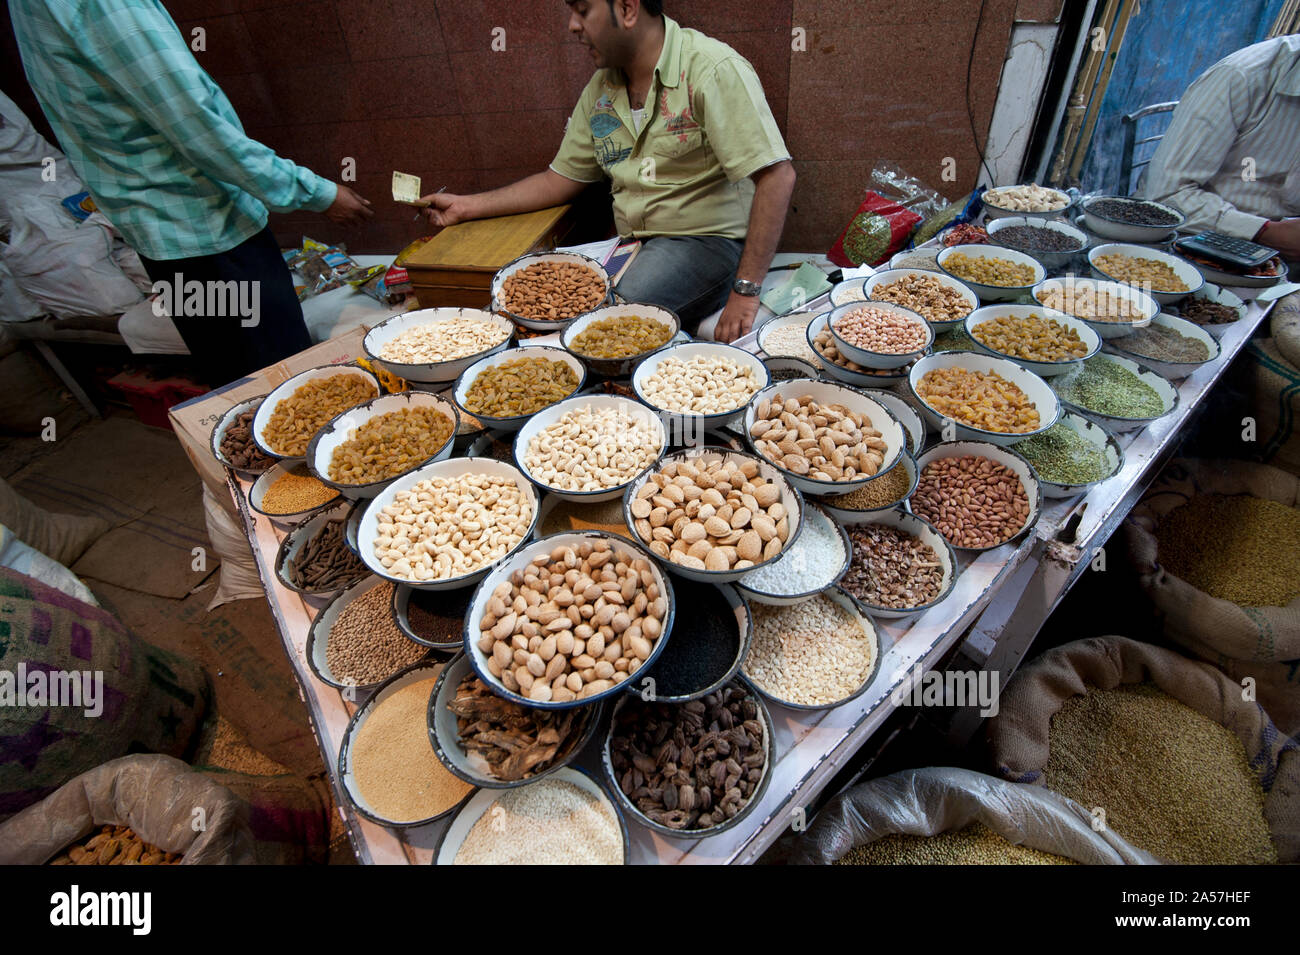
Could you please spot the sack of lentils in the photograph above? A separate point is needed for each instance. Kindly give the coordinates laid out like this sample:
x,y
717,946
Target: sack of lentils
x,y
941,816
1216,545
1159,748
157,809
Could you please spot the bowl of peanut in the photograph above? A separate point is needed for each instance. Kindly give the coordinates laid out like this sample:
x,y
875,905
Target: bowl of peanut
x,y
447,524
966,396
839,367
1166,278
590,447
545,291
826,438
292,413
432,346
565,620
366,448
698,386
1111,309
940,299
505,389
879,334
1045,341
615,339
995,273
713,515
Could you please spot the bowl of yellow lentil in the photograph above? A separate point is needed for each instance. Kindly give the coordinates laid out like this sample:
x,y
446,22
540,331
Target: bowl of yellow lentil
x,y
615,339
506,389
1166,278
982,397
367,448
1045,341
995,274
288,494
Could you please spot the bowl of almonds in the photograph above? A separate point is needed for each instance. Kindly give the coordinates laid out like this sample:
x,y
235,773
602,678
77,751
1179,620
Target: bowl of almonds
x,y
567,619
714,515
545,291
826,438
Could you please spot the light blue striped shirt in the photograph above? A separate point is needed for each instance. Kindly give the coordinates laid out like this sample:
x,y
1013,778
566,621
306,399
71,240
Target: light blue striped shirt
x,y
155,140
1230,160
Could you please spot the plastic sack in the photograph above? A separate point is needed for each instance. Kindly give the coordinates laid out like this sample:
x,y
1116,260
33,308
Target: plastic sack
x,y
926,802
67,267
238,578
1018,735
19,557
15,304
24,172
168,804
1262,643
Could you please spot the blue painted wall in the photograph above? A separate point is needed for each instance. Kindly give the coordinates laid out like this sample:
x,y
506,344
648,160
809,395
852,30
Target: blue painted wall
x,y
1168,44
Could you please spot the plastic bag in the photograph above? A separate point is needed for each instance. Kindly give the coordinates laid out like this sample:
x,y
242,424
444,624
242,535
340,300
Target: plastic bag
x,y
926,802
68,268
161,798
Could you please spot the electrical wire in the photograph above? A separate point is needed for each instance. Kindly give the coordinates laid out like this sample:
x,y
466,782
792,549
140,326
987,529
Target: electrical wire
x,y
970,109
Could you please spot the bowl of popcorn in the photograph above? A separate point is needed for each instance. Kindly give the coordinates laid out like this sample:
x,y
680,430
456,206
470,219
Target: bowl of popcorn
x,y
445,525
879,334
714,515
699,386
434,345
590,447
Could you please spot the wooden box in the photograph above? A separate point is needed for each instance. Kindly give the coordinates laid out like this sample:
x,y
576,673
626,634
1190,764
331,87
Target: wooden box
x,y
456,266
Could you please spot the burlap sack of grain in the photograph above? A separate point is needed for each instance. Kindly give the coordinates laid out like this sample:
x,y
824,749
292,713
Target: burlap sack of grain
x,y
167,803
238,578
927,802
147,700
61,537
1018,735
288,815
1262,643
1274,368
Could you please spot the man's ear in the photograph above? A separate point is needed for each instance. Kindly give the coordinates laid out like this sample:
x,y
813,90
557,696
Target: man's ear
x,y
627,12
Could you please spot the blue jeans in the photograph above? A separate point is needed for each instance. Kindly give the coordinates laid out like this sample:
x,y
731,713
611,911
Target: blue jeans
x,y
690,274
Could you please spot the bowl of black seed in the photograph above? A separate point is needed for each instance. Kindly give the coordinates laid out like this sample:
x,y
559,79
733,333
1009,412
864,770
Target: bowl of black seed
x,y
434,618
788,369
710,640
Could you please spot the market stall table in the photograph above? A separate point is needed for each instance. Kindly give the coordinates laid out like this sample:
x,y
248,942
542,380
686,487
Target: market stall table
x,y
1030,576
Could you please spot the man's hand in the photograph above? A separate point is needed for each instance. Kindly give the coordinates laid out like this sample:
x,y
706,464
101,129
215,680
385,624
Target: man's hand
x,y
445,209
737,318
1283,236
348,208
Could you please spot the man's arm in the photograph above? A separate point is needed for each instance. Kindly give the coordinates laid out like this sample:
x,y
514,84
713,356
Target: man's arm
x,y
539,191
773,187
1193,150
141,53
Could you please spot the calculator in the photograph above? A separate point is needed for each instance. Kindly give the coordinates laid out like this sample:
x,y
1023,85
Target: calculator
x,y
1240,253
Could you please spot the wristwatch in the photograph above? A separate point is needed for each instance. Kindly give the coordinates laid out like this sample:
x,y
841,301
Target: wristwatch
x,y
746,288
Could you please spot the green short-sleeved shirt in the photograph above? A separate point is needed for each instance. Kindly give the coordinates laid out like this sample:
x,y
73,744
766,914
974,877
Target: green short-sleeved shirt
x,y
708,129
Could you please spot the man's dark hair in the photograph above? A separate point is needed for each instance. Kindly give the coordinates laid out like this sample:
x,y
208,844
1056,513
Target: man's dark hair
x,y
653,7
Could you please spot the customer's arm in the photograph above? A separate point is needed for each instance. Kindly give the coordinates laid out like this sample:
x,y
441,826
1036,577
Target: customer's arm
x,y
141,53
539,191
773,187
1193,150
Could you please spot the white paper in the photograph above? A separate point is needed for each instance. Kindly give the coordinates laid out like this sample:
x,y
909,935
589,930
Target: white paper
x,y
600,251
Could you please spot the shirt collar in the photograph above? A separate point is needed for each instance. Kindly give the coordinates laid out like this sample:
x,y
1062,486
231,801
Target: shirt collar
x,y
669,67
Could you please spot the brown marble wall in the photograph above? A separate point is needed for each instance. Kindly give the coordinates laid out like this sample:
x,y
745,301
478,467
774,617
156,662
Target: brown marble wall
x,y
414,85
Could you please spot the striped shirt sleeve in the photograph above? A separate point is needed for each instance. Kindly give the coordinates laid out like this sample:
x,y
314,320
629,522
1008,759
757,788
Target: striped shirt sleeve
x,y
1193,150
140,53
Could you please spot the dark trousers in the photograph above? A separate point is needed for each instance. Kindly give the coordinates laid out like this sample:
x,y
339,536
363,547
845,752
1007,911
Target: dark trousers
x,y
227,346
690,274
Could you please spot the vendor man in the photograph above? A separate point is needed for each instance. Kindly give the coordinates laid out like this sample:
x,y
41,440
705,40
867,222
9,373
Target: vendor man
x,y
679,124
1230,160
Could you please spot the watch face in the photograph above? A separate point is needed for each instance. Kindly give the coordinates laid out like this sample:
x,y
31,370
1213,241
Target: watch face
x,y
744,287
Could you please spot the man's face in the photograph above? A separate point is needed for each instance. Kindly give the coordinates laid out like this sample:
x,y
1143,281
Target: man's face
x,y
596,26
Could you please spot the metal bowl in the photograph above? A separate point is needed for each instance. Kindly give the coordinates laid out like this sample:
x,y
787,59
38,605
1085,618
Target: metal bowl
x,y
298,537
812,512
993,211
1174,370
318,637
841,513
929,535
686,421
1167,392
739,605
1052,260
1185,271
1000,455
892,275
1036,390
994,293
1044,369
867,378
223,425
267,408
258,491
1119,231
872,359
1143,303
535,258
620,367
514,422
431,373
1097,435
